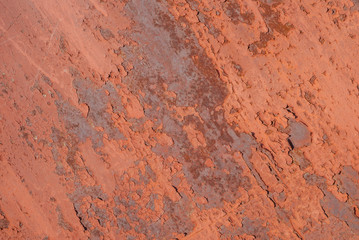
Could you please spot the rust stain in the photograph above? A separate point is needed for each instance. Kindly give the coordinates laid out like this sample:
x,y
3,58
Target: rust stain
x,y
179,119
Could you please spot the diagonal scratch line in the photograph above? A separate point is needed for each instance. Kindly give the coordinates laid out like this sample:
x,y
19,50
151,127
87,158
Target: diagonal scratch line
x,y
52,35
13,22
9,39
48,47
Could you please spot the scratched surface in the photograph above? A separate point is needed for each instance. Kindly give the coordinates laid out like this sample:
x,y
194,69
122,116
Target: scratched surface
x,y
179,119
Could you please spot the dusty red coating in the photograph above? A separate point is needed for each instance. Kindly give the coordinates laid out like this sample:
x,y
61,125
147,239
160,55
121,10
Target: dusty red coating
x,y
180,119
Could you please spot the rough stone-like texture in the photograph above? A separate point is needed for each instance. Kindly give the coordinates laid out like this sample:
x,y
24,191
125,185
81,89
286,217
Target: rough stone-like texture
x,y
179,119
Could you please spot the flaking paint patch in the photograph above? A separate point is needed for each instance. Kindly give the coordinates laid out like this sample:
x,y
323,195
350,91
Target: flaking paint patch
x,y
299,135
